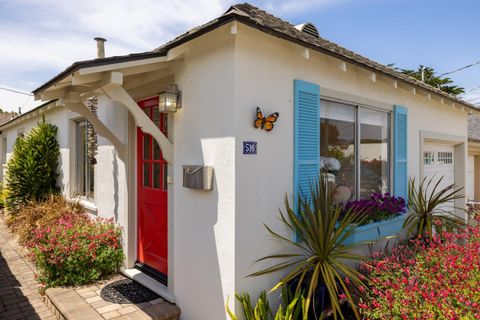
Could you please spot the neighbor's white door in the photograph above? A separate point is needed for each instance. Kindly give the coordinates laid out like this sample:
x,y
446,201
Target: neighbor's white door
x,y
438,162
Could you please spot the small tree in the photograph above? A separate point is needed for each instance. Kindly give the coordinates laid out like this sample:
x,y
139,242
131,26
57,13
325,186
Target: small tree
x,y
430,77
32,169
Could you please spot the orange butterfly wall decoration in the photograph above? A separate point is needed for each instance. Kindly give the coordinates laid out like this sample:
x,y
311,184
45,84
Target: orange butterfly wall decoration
x,y
263,122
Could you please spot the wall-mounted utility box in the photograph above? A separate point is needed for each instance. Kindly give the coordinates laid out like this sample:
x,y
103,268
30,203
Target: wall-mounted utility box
x,y
198,177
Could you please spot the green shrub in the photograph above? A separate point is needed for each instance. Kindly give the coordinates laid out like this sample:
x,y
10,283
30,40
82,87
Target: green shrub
x,y
76,250
32,169
40,214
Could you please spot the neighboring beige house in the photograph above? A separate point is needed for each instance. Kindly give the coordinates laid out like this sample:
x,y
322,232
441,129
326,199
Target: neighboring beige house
x,y
473,160
193,242
7,116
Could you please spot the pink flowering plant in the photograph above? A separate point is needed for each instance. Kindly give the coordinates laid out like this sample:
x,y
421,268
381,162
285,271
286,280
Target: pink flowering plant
x,y
432,279
76,250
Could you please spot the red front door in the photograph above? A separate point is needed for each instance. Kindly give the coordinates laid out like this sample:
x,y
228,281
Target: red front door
x,y
152,244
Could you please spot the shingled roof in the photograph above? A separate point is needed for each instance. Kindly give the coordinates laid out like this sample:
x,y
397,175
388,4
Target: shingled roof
x,y
263,21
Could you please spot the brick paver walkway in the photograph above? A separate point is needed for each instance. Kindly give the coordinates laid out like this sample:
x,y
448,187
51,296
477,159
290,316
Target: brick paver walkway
x,y
19,295
88,297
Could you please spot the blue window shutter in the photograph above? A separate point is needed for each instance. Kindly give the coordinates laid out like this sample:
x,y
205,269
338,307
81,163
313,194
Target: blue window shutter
x,y
400,173
307,138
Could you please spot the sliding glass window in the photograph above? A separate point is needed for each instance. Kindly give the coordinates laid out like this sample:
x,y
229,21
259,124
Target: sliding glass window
x,y
355,148
374,151
337,141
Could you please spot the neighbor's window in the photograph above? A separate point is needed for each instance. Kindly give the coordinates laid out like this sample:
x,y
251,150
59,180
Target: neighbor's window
x,y
4,150
84,167
359,139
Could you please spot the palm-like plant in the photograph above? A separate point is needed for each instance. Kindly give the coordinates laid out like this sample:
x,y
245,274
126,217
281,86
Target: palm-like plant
x,y
290,308
430,207
319,255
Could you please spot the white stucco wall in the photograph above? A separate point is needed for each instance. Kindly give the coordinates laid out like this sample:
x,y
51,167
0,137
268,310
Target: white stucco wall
x,y
56,116
110,198
204,222
265,68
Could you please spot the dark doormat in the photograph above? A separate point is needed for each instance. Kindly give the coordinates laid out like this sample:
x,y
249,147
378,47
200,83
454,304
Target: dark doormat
x,y
127,291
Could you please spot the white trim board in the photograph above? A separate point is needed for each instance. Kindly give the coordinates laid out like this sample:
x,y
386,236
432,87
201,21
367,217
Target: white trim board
x,y
339,96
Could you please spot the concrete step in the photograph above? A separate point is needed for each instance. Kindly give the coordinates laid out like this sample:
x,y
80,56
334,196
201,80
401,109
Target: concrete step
x,y
68,304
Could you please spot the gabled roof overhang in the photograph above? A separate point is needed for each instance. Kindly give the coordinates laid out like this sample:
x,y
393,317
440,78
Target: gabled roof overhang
x,y
123,80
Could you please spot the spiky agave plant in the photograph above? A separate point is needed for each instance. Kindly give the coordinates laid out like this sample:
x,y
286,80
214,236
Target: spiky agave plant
x,y
318,255
291,308
430,207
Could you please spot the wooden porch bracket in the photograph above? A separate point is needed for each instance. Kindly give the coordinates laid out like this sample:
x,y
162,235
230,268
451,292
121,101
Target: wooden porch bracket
x,y
100,128
111,83
116,92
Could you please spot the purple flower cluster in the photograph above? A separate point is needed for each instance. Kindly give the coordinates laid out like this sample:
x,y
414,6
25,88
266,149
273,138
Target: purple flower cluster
x,y
378,207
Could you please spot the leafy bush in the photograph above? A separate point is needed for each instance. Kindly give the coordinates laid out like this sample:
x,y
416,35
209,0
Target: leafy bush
x,y
432,279
319,257
378,207
76,250
294,307
430,208
32,169
40,214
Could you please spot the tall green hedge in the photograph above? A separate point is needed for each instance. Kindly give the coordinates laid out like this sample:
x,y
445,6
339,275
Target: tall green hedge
x,y
32,169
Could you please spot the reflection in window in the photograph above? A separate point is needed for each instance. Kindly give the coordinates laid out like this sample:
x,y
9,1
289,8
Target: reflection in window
x,y
85,169
373,152
354,149
337,141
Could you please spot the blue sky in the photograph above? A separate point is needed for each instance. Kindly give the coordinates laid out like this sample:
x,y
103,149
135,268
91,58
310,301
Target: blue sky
x,y
41,38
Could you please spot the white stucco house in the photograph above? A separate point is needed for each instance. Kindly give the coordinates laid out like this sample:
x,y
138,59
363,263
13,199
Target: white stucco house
x,y
196,246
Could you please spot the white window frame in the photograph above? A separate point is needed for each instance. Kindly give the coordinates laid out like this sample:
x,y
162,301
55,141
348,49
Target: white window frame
x,y
87,201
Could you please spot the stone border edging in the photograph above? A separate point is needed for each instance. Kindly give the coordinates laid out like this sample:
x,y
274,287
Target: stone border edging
x,y
66,304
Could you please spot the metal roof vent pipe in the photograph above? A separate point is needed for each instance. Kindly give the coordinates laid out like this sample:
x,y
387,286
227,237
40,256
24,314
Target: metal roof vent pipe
x,y
308,28
100,47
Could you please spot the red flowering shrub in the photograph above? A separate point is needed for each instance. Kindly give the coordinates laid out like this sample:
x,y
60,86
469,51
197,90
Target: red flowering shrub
x,y
76,250
439,279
